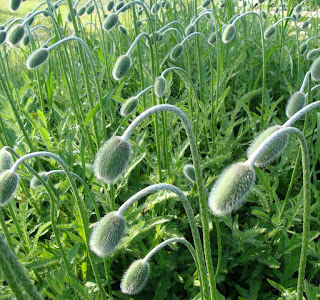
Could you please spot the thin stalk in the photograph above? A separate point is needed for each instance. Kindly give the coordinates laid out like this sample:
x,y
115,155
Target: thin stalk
x,y
13,263
306,194
199,181
190,216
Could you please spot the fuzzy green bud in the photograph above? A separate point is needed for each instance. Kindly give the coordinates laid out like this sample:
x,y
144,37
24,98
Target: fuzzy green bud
x,y
189,172
37,58
273,151
205,3
90,9
110,21
14,4
295,103
228,33
312,54
230,190
16,34
138,23
119,5
122,29
112,159
8,184
81,11
3,35
223,4
315,70
305,25
212,38
107,234
190,29
121,67
176,52
159,87
129,106
110,5
135,278
35,182
264,14
6,160
298,8
269,32
303,48
26,40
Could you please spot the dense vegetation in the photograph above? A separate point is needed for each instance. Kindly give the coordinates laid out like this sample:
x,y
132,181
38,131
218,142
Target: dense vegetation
x,y
111,99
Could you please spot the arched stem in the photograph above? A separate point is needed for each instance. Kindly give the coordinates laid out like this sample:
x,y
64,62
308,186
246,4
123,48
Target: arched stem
x,y
306,193
197,166
167,242
189,212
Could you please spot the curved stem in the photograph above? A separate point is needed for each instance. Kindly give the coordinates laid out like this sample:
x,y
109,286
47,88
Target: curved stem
x,y
83,214
189,212
306,194
197,165
170,241
301,113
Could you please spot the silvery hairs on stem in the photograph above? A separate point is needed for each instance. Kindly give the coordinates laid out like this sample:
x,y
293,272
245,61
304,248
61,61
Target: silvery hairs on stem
x,y
108,232
9,178
114,155
235,182
16,34
41,55
136,277
131,104
124,62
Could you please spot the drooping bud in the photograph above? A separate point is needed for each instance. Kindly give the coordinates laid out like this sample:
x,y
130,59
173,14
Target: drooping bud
x,y
35,182
107,233
110,5
110,21
37,58
129,106
190,29
159,87
190,173
81,11
112,159
119,5
15,35
8,184
269,32
305,25
273,151
122,29
14,4
26,40
135,278
295,103
176,52
230,190
312,54
228,33
303,48
90,9
212,38
6,160
205,3
121,67
315,70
